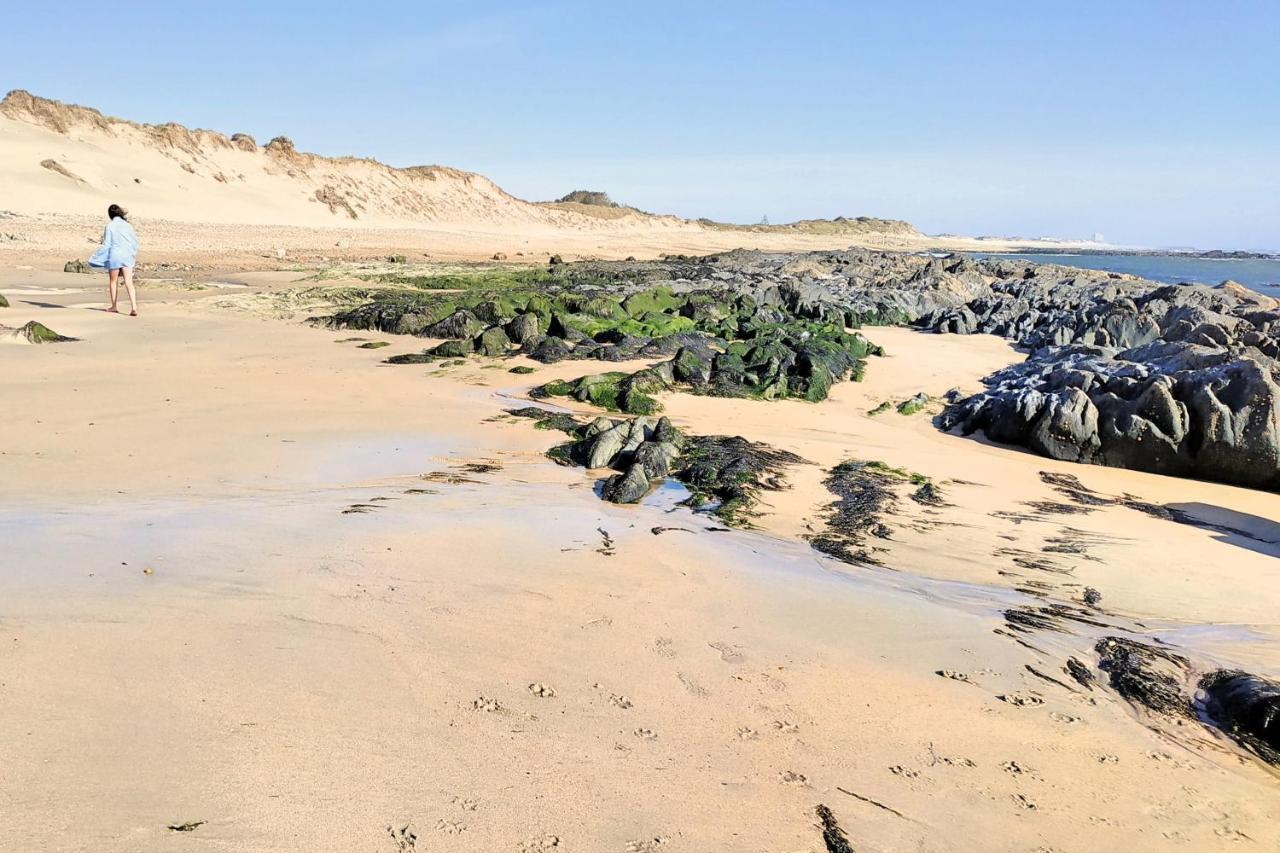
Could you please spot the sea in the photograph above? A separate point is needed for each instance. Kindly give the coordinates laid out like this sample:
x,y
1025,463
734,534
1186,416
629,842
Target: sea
x,y
1260,274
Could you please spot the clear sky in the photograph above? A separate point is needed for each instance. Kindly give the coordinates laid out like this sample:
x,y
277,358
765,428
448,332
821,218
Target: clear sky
x,y
1153,123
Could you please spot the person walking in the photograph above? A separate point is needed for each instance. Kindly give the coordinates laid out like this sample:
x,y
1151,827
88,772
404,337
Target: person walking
x,y
118,255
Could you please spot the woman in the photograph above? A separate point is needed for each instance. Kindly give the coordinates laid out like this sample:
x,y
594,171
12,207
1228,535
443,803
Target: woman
x,y
117,255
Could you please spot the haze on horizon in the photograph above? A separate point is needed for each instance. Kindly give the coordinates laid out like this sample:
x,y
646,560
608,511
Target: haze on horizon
x,y
1153,124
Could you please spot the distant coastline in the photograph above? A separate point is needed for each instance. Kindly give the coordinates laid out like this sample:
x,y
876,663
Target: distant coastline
x,y
1210,254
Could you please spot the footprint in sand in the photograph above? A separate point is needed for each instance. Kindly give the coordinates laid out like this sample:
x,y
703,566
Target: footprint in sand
x,y
1107,758
786,727
481,703
404,837
467,805
1065,719
956,761
746,733
646,845
620,701
1023,802
540,845
728,653
450,827
1166,758
907,772
790,777
954,675
692,686
1013,768
542,691
645,734
662,647
1021,700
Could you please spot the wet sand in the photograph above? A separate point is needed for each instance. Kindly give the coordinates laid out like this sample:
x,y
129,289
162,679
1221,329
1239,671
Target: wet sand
x,y
198,628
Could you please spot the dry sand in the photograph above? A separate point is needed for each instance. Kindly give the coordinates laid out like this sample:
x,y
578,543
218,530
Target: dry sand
x,y
195,630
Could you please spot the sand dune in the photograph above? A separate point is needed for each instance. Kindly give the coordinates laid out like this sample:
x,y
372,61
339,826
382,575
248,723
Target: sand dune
x,y
203,195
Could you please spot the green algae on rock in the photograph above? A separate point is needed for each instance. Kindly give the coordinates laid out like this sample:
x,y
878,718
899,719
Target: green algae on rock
x,y
34,333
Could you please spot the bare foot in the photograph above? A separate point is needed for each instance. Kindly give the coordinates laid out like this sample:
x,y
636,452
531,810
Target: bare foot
x,y
113,310
133,313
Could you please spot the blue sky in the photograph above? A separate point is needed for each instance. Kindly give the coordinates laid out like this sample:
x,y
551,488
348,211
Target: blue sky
x,y
1150,123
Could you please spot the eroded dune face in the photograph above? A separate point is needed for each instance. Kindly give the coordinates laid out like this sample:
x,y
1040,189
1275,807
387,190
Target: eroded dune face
x,y
66,159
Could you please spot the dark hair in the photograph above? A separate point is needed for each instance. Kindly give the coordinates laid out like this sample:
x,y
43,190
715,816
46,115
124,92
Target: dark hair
x,y
116,210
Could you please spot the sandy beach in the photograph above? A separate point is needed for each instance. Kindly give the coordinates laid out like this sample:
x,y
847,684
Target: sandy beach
x,y
265,592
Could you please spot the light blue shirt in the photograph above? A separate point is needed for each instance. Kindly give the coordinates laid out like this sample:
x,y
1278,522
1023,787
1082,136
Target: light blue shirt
x,y
119,247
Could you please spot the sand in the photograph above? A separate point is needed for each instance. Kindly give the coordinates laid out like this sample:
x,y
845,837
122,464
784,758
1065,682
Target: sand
x,y
197,628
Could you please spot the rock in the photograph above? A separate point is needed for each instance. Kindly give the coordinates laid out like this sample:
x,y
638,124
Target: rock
x,y
914,404
605,447
627,488
523,328
1247,708
76,266
493,342
460,324
453,349
412,358
34,333
1217,422
549,350
4,303
499,256
692,367
656,458
556,260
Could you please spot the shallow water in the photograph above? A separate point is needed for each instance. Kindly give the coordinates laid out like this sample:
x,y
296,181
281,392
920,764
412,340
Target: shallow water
x,y
1260,274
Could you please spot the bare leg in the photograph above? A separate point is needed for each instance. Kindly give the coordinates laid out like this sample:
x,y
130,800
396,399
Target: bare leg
x,y
133,294
113,288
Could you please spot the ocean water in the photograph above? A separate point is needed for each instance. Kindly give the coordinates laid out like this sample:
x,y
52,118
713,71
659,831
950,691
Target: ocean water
x,y
1260,274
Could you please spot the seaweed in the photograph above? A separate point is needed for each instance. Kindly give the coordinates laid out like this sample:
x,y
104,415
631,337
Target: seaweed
x,y
1145,675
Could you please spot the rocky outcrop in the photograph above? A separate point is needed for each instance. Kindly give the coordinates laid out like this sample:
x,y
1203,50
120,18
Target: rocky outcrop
x,y
724,474
1183,409
1178,380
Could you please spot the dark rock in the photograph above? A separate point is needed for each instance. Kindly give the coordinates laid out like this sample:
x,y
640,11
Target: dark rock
x,y
1247,708
550,350
453,349
628,488
412,358
460,324
523,328
493,342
